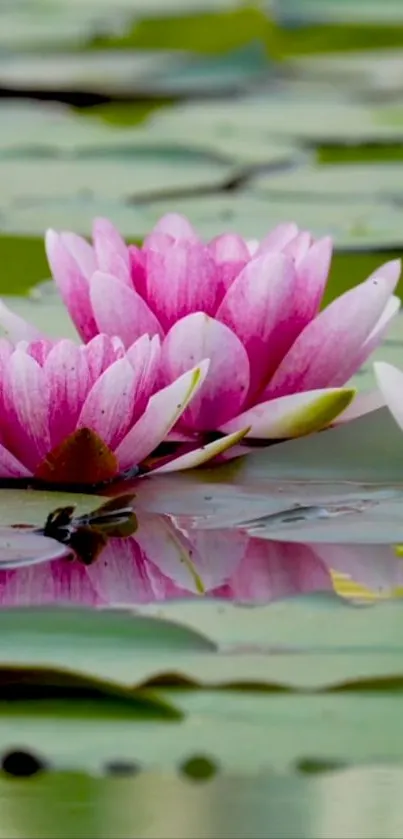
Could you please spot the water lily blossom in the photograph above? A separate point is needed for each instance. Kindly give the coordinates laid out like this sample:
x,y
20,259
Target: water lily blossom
x,y
277,363
85,413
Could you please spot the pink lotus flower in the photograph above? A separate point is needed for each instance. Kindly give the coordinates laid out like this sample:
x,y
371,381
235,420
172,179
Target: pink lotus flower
x,y
277,363
77,414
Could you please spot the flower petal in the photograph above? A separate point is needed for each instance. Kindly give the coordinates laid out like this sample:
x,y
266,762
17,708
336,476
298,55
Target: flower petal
x,y
72,285
144,356
81,251
112,254
123,575
223,394
190,460
390,382
195,560
379,331
298,247
181,280
39,350
175,225
336,334
119,310
60,582
278,238
262,308
374,566
138,269
364,402
273,570
68,381
229,248
108,408
10,467
294,415
26,407
313,272
16,328
100,353
162,413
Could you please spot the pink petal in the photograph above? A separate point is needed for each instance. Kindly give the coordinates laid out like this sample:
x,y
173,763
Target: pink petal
x,y
123,575
262,308
176,226
196,560
39,350
119,310
298,247
388,271
193,338
198,456
159,242
144,356
10,467
377,335
390,382
278,238
138,269
162,413
108,408
292,415
26,410
273,570
16,327
231,254
336,334
58,582
100,353
229,248
313,272
72,285
68,382
180,281
374,566
111,251
81,251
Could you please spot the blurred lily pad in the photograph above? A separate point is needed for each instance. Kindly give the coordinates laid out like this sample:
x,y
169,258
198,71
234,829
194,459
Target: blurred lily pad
x,y
266,806
52,131
288,112
373,73
107,73
352,183
363,224
27,184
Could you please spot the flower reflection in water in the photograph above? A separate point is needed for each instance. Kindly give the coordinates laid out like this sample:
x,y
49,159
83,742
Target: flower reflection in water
x,y
162,561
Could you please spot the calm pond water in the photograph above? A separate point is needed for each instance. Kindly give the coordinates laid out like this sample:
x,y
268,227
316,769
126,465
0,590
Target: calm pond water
x,y
240,116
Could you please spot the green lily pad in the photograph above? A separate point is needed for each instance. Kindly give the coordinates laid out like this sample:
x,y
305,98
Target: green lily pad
x,y
33,506
109,72
329,183
26,182
310,115
266,806
358,225
373,71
